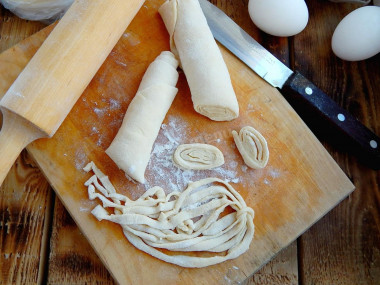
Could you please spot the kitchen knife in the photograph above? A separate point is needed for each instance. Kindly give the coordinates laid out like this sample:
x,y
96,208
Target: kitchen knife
x,y
295,87
46,90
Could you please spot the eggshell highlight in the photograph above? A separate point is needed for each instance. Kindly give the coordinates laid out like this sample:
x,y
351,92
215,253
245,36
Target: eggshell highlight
x,y
357,36
282,18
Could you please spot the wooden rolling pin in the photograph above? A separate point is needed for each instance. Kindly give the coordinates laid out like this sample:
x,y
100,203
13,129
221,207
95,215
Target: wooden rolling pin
x,y
46,90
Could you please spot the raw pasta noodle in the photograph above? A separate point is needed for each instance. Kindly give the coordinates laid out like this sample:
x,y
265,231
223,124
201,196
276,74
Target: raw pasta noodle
x,y
180,222
132,146
252,146
198,156
201,60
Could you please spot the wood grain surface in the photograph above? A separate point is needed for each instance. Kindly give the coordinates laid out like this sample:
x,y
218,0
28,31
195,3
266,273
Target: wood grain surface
x,y
25,195
329,253
344,247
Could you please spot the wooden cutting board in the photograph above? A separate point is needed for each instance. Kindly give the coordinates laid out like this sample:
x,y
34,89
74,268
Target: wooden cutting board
x,y
300,184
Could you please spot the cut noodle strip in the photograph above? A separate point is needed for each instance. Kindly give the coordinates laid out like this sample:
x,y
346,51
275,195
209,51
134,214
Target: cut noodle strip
x,y
180,222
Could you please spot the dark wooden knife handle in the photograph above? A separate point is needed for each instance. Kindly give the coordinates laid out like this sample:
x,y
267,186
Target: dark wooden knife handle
x,y
343,127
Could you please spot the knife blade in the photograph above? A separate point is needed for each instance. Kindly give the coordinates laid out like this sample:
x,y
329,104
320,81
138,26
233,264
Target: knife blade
x,y
297,89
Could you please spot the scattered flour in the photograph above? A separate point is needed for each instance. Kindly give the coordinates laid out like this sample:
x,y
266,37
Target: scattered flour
x,y
100,112
161,170
94,130
274,173
114,104
80,159
120,63
133,39
234,276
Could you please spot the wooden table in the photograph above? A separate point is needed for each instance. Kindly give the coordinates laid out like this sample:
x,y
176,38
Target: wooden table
x,y
40,243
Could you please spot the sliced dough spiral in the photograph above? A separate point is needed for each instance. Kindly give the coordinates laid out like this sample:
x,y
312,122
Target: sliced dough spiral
x,y
201,60
198,156
181,222
252,147
132,146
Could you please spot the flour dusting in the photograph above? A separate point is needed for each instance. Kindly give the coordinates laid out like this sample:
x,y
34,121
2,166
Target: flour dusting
x,y
162,171
80,159
274,173
234,276
100,112
133,39
120,63
114,104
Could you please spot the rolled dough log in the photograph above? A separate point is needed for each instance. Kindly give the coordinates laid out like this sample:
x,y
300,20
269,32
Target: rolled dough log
x,y
132,146
252,146
198,156
181,222
201,60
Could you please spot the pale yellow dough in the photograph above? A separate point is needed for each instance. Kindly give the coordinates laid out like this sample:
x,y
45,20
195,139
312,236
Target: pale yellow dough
x,y
252,146
180,222
132,146
201,60
198,156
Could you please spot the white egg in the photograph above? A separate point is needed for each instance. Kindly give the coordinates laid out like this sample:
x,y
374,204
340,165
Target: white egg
x,y
281,18
357,36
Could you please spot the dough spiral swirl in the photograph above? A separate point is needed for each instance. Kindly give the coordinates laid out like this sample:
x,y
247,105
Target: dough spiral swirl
x,y
252,147
198,156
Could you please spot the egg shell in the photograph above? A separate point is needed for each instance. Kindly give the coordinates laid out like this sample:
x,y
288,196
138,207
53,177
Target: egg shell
x,y
281,18
357,36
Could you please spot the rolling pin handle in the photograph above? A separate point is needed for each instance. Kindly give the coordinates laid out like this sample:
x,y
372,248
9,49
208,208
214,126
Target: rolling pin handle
x,y
16,133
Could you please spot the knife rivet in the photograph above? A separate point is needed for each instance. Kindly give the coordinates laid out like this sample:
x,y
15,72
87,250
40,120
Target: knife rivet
x,y
341,117
373,144
308,91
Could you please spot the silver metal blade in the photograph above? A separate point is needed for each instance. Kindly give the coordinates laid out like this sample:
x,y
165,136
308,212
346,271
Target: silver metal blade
x,y
241,44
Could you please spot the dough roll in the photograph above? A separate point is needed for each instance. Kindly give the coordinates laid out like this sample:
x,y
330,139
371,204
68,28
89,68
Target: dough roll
x,y
201,60
132,146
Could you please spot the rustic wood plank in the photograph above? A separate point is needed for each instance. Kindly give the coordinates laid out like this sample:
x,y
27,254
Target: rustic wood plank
x,y
344,247
25,196
72,260
14,29
283,269
25,207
